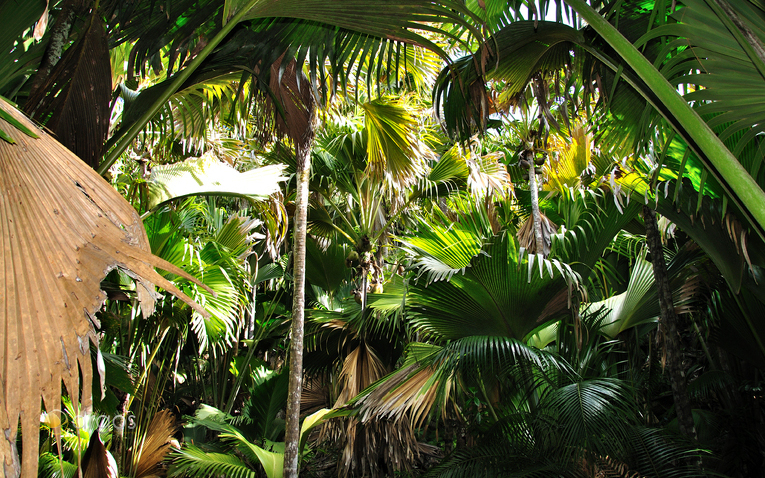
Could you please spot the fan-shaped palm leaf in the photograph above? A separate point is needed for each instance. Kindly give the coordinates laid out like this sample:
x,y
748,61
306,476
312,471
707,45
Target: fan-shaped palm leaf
x,y
442,251
565,171
639,303
64,229
500,294
394,149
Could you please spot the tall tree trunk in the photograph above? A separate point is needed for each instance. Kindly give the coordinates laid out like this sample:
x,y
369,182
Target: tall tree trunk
x,y
669,323
59,34
292,434
535,215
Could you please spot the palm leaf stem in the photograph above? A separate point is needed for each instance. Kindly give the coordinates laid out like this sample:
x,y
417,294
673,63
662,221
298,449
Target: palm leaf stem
x,y
738,179
240,378
148,366
482,384
396,216
182,76
347,222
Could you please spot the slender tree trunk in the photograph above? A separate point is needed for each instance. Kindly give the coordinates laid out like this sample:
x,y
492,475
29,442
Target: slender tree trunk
x,y
669,324
59,34
535,215
292,435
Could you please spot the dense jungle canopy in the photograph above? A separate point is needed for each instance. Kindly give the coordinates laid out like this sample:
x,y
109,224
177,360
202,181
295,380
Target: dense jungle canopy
x,y
246,238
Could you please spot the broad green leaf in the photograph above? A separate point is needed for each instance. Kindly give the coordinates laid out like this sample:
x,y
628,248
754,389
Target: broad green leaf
x,y
206,175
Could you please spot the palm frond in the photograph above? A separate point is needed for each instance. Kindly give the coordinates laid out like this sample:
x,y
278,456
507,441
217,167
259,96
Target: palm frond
x,y
267,399
206,175
728,91
83,71
638,304
593,414
193,462
504,460
155,445
441,251
394,150
591,219
503,293
66,228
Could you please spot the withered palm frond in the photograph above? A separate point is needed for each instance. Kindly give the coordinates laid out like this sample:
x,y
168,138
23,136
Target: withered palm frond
x,y
63,229
412,391
360,369
526,235
155,445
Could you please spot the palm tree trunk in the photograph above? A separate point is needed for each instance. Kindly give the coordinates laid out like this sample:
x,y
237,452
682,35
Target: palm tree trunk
x,y
58,37
535,215
292,434
669,323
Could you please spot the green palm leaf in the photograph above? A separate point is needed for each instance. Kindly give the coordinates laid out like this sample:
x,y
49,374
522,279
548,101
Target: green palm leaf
x,y
193,462
441,251
731,90
206,175
593,414
267,399
639,303
5,116
500,294
393,147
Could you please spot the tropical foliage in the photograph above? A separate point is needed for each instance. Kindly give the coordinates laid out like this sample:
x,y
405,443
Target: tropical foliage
x,y
458,198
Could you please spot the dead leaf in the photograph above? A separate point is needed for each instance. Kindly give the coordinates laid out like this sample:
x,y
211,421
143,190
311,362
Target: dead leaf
x,y
63,228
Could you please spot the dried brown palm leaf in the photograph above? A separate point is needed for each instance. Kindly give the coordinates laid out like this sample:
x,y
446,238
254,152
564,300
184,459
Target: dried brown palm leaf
x,y
379,448
63,229
156,445
316,394
361,369
294,113
410,392
527,239
97,463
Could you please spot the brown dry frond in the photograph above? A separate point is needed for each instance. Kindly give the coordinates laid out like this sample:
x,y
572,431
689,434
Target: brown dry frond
x,y
316,394
380,448
361,368
379,445
63,229
96,462
156,444
526,235
738,235
411,392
